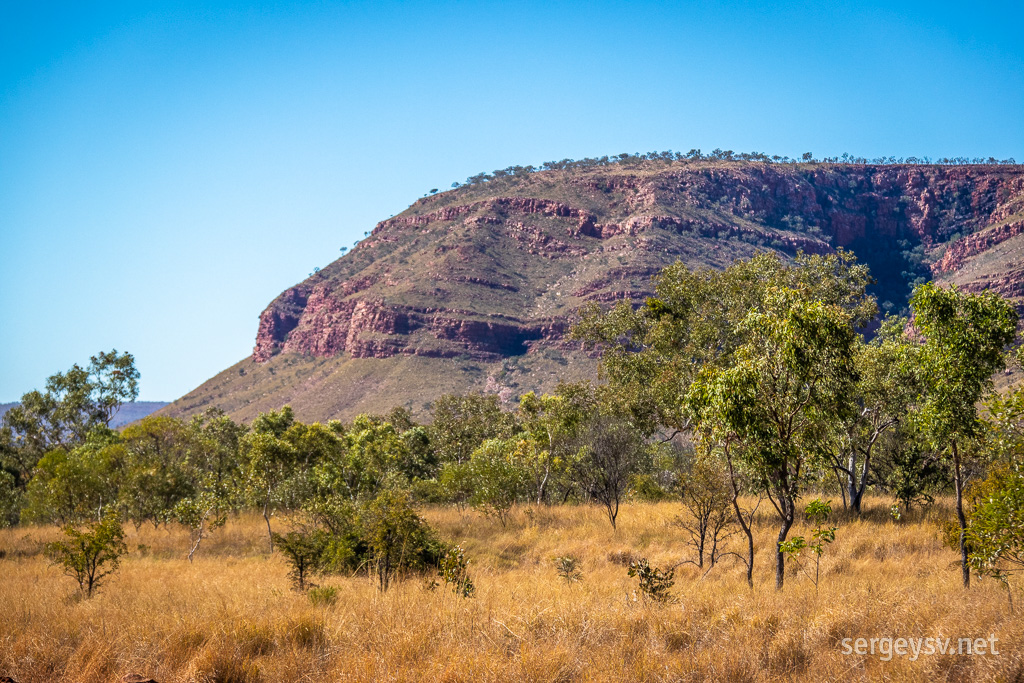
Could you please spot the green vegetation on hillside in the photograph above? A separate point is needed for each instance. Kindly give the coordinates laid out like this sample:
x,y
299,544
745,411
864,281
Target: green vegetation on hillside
x,y
755,381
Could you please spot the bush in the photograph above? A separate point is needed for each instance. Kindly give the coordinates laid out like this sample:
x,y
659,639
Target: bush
x,y
655,584
92,555
305,551
646,488
398,539
995,533
707,499
453,568
323,596
817,512
568,567
10,500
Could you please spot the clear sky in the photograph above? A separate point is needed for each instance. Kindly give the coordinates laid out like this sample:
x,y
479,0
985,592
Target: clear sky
x,y
166,169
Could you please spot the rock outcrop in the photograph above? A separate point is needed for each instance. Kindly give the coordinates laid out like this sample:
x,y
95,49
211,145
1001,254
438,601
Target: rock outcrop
x,y
496,271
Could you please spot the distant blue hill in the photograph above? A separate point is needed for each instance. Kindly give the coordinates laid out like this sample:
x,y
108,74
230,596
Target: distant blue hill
x,y
128,413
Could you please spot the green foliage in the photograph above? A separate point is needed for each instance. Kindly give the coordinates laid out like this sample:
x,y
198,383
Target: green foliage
x,y
72,486
655,584
612,451
911,473
646,487
154,475
965,340
817,513
304,549
497,476
995,531
73,404
463,423
90,556
779,401
568,568
651,355
553,423
456,482
886,388
10,500
453,569
397,538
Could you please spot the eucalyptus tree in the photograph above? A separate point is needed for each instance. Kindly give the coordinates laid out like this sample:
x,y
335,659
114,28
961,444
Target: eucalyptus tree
x,y
611,451
72,405
713,327
553,423
269,460
965,337
778,403
462,423
886,388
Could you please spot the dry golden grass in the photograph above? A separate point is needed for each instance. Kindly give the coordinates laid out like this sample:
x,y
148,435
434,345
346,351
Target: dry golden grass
x,y
231,615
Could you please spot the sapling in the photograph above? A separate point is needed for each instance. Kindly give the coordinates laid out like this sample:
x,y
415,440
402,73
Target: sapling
x,y
304,550
568,568
655,583
91,555
817,513
707,500
453,568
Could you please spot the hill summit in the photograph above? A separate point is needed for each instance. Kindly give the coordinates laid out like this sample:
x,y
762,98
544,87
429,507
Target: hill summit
x,y
475,288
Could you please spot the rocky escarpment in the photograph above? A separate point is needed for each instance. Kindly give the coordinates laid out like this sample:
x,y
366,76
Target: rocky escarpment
x,y
474,289
497,270
958,253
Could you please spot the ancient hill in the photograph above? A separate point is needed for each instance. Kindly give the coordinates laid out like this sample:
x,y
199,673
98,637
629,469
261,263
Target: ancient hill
x,y
473,289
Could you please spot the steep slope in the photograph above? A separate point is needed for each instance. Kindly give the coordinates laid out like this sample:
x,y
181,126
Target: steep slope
x,y
475,288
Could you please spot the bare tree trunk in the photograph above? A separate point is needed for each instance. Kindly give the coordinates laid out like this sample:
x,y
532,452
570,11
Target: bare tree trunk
x,y
266,516
958,482
742,521
851,482
780,559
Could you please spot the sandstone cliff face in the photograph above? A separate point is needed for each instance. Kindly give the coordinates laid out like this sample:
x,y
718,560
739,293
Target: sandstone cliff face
x,y
496,271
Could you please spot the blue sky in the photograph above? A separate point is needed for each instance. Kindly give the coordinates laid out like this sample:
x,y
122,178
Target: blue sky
x,y
166,169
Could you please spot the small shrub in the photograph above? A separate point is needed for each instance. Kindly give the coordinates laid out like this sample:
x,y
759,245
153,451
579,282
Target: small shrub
x,y
323,596
655,583
817,512
92,555
398,539
304,550
568,567
709,520
995,534
646,488
453,569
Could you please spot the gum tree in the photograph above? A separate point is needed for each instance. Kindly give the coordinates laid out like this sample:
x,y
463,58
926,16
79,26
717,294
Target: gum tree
x,y
887,384
965,339
778,403
693,330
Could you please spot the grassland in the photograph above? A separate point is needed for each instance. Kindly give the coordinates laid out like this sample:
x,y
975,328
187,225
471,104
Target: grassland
x,y
231,615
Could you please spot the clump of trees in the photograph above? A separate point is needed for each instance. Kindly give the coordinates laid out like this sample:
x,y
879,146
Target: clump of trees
x,y
766,367
757,382
696,155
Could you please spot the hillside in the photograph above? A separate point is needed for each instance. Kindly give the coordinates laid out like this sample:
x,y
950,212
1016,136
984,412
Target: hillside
x,y
474,289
